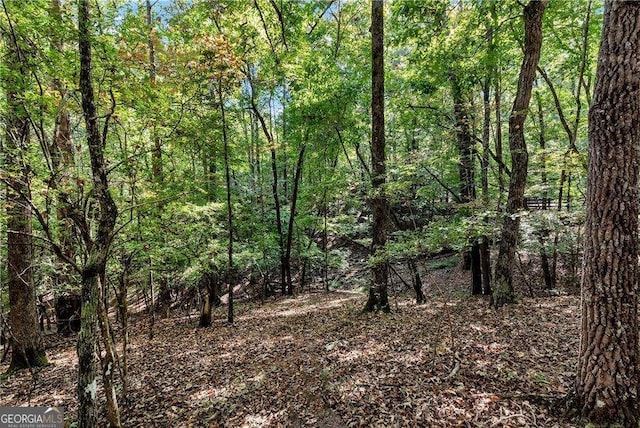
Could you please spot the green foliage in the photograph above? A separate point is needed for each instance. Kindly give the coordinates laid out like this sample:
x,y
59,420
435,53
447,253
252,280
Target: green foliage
x,y
307,68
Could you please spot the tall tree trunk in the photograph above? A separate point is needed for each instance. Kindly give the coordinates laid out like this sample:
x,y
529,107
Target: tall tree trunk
x,y
292,216
98,248
466,172
378,298
164,293
608,374
87,348
543,154
485,263
486,134
503,286
156,166
62,163
464,141
28,348
548,269
497,97
485,251
227,175
109,361
572,130
274,184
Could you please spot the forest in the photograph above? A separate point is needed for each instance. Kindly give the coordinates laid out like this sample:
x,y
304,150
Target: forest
x,y
322,213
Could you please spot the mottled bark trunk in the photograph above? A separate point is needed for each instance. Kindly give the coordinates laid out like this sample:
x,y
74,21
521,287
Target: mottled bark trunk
x,y
378,298
607,377
502,285
87,348
123,311
97,248
109,361
28,348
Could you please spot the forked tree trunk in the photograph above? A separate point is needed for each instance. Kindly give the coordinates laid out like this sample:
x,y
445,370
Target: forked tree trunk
x,y
608,374
378,298
97,248
502,285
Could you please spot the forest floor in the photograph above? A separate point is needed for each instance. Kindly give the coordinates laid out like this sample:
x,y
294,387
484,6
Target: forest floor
x,y
316,360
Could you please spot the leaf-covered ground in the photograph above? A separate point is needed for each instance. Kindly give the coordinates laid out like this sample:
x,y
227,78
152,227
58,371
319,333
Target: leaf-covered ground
x,y
315,360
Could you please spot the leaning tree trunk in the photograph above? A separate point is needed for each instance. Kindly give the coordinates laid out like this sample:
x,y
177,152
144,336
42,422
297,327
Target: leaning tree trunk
x,y
292,217
378,298
28,348
503,286
608,375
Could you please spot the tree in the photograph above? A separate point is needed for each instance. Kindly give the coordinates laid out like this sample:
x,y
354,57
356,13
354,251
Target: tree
x,y
503,287
466,169
607,377
28,348
378,298
94,268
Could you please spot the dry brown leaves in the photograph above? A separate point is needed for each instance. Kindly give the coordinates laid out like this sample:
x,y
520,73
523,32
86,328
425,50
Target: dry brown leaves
x,y
316,360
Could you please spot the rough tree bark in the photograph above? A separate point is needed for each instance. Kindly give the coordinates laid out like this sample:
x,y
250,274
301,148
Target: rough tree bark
x,y
28,348
378,298
466,171
95,266
502,284
608,375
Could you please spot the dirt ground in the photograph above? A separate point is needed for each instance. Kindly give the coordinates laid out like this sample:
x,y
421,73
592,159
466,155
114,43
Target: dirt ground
x,y
316,360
